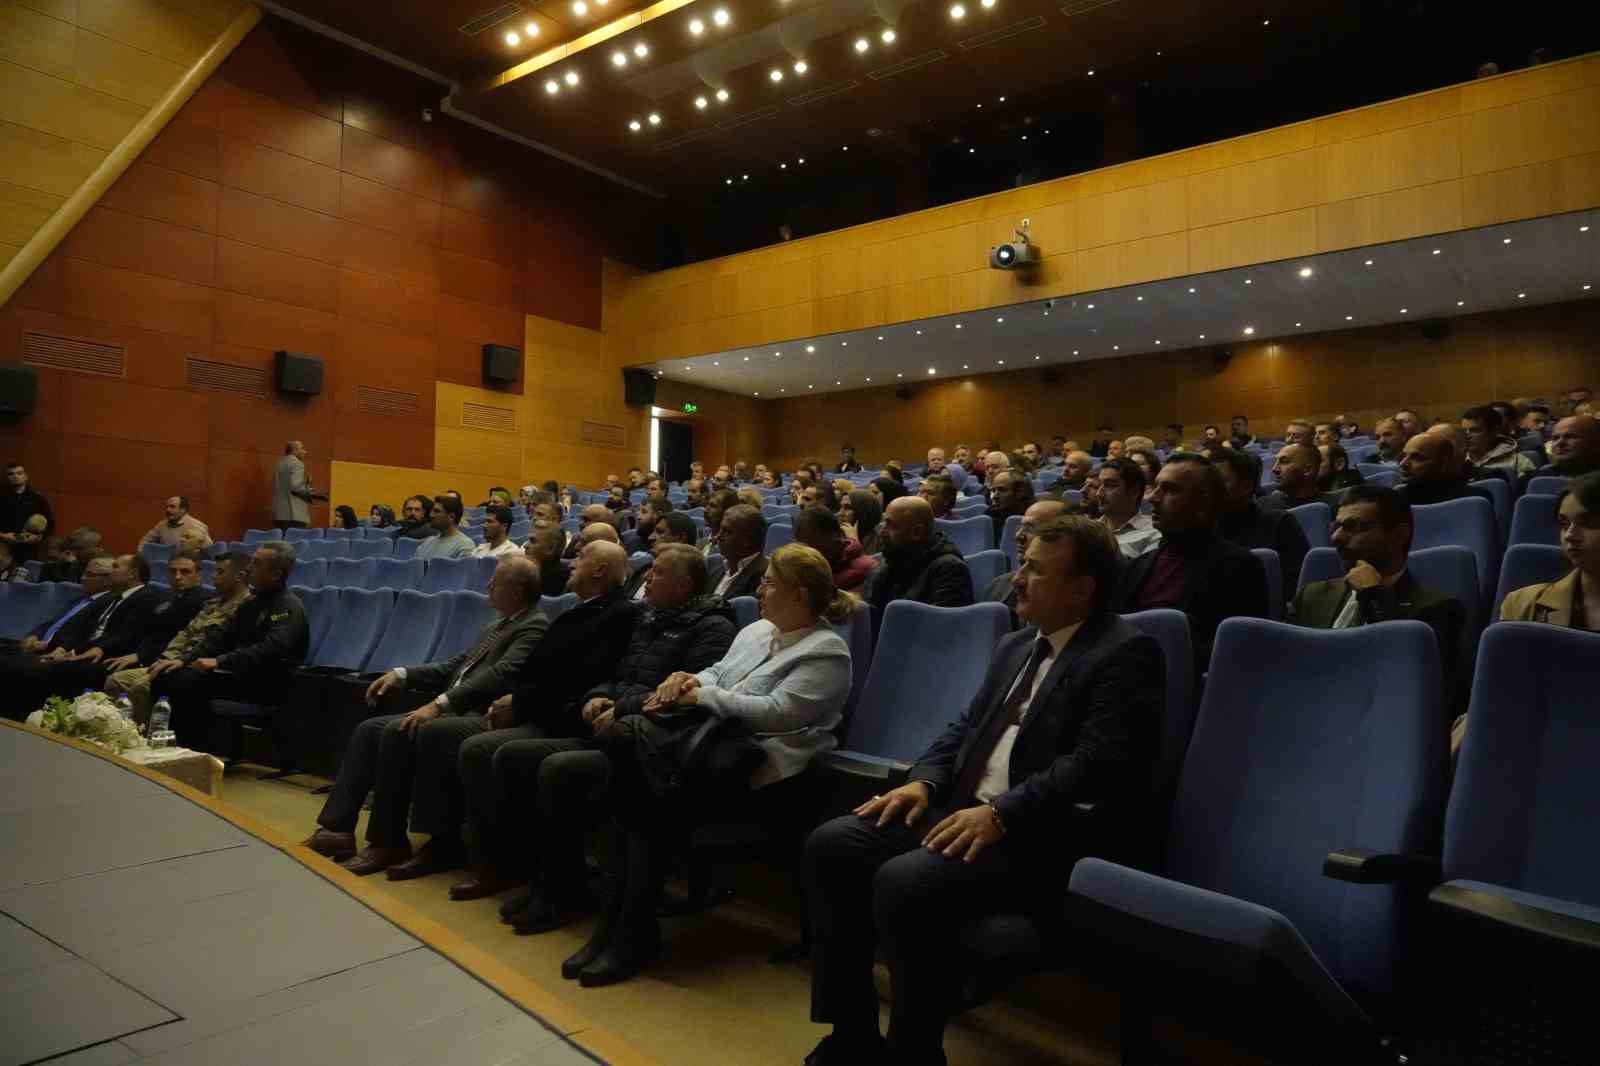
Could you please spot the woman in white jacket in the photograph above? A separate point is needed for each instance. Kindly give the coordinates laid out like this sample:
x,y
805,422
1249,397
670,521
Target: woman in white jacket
x,y
785,680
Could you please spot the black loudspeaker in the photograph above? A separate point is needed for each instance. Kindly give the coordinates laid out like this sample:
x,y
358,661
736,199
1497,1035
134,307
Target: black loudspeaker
x,y
638,387
500,364
297,373
1221,357
19,390
903,392
1436,329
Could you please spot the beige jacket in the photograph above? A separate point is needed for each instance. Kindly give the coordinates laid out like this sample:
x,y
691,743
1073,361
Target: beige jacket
x,y
1550,603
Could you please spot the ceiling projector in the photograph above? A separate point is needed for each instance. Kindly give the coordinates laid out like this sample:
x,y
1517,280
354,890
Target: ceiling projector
x,y
1013,254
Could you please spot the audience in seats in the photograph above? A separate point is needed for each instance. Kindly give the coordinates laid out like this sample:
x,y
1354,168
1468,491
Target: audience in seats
x,y
178,519
414,522
1336,472
591,514
1574,446
1297,432
381,516
1488,446
617,502
1195,570
750,496
447,541
694,493
847,460
1323,434
407,760
783,684
292,494
985,824
1390,442
557,784
544,549
1573,601
1239,432
741,536
940,492
720,503
497,540
820,530
961,456
672,529
230,577
651,511
1372,533
1254,522
1211,437
11,568
1089,502
1149,464
820,494
861,515
1101,447
1577,397
544,508
1431,473
1535,418
887,490
1172,437
25,665
1295,472
1121,496
1002,587
1076,468
936,460
1408,422
252,659
595,531
919,562
1010,493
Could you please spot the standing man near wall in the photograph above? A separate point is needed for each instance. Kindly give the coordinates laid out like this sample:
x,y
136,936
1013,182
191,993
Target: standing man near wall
x,y
291,489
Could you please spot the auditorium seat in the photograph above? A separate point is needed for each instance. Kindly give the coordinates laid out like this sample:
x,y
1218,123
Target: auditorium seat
x,y
1386,478
633,543
258,536
483,569
405,547
353,573
1008,540
968,506
208,572
397,574
519,530
639,560
556,606
413,629
1534,521
970,535
746,609
1314,519
924,673
1241,926
1269,561
1468,522
299,536
339,533
25,604
359,621
446,575
1548,485
322,607
309,573
157,555
1500,489
984,567
470,612
1528,564
857,633
319,549
1450,569
1320,564
367,549
777,537
780,520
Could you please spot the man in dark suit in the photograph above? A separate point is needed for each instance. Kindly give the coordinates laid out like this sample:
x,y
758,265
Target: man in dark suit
x,y
919,562
671,528
1069,712
448,699
1194,570
25,665
1372,533
741,536
119,629
1251,522
1434,470
1002,589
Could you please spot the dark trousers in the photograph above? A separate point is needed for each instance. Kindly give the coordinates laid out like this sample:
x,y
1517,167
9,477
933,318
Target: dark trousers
x,y
557,788
191,691
413,773
24,683
488,817
867,886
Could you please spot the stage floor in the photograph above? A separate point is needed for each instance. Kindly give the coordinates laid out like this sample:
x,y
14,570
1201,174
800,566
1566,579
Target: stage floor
x,y
136,926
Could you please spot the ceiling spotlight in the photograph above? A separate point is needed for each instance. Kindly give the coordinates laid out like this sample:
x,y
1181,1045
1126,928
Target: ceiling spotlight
x,y
513,39
700,102
1191,290
655,119
880,336
1583,229
1266,22
1297,325
720,16
1202,336
958,325
755,394
919,333
846,148
730,181
1436,251
1158,342
531,29
696,27
844,344
1116,347
1306,272
580,8
571,77
634,126
810,386
1140,299
1247,281
619,59
1522,296
1368,263
838,383
776,75
1405,311
1091,307
715,363
1002,100
722,96
1586,288
641,50
1091,72
972,151
869,379
957,12
1249,331
810,348
932,370
1461,303
1036,357
551,86
783,166
801,161
899,375
887,37
987,3
801,66
1349,318
862,44
1000,319
744,177
1002,362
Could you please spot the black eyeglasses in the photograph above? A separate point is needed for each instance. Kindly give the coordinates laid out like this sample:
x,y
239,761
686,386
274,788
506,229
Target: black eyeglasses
x,y
1353,526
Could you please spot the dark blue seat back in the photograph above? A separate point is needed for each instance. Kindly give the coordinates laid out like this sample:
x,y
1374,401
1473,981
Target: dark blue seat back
x,y
322,608
1170,628
398,574
1548,484
414,627
1295,755
367,549
1274,569
556,606
1450,569
1320,564
297,536
639,560
746,609
1528,564
259,536
1008,540
971,535
1468,522
157,555
319,549
309,573
1524,807
24,604
777,536
1500,489
469,614
352,573
357,625
483,569
984,567
1534,520
857,633
1314,519
927,666
446,575
405,547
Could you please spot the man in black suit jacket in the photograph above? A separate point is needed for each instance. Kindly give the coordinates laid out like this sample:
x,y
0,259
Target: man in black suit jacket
x,y
26,664
1002,589
1195,570
1252,522
131,611
1069,712
741,536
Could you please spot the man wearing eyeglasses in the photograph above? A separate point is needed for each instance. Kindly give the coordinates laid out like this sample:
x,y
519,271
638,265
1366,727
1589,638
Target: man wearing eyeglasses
x,y
1372,534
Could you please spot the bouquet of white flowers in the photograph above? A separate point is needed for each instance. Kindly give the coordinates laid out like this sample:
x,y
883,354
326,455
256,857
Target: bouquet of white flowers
x,y
93,717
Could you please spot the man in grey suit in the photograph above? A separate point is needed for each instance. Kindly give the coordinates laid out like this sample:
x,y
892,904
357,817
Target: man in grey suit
x,y
291,489
384,752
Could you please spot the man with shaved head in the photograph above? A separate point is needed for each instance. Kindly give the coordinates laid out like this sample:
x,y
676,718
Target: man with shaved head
x,y
594,514
1295,471
1430,471
1575,446
919,562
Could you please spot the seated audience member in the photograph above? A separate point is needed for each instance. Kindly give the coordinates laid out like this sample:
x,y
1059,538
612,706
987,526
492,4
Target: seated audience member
x,y
1194,570
1032,454
722,501
651,511
1253,523
1149,465
1090,497
67,563
1076,468
447,541
673,529
887,490
1574,446
1336,473
1057,453
936,461
1430,472
1323,433
741,535
893,471
591,514
1535,419
847,460
1577,397
25,664
1391,442
1346,427
612,481
820,494
995,462
860,516
750,496
1297,432
962,457
544,547
1010,493
1489,448
617,501
414,524
1409,422
1295,471
1121,495
447,700
133,678
635,478
497,540
919,562
344,517
1372,533
1137,444
1103,437
1239,432
842,487
1114,450
252,659
1573,601
741,472
1211,437
1002,587
820,529
11,568
555,784
177,520
940,492
694,493
381,516
1172,437
697,469
784,680
544,508
985,824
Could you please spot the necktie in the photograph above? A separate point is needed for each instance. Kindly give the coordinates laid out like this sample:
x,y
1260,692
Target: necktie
x,y
1009,715
55,627
476,655
105,619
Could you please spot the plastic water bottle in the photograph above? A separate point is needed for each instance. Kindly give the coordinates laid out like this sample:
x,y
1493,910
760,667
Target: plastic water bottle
x,y
125,707
161,724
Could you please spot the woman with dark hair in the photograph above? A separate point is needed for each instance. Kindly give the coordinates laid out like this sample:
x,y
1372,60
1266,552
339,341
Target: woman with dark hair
x,y
860,514
1573,601
344,517
381,516
887,490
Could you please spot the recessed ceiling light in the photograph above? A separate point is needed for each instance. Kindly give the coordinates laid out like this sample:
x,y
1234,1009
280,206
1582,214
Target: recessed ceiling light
x,y
1116,347
887,37
1002,99
720,16
783,390
1368,262
869,379
1436,251
619,59
899,375
846,148
1140,299
777,355
747,358
1266,22
919,333
980,107
744,177
1002,318
1405,310
776,74
1247,281
655,119
958,325
1505,240
957,12
1074,351
700,102
571,77
987,3
1002,362
551,86
1036,357
531,29
1202,336
810,348
1461,303
862,44
1583,229
1091,307
1091,72
1297,325
844,344
880,336
722,96
513,39
838,383
801,66
801,161
714,363
965,367
1306,272
972,151
696,27
810,386
1522,296
1249,331
641,50
755,394
783,166
1349,318
579,8
1191,290
1586,288
730,181
1158,342
634,126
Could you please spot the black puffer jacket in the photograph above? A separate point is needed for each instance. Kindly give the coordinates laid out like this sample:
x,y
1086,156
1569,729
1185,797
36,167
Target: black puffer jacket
x,y
937,575
688,638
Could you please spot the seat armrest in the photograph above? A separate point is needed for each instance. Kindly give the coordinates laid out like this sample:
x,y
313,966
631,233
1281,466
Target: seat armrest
x,y
857,764
1363,866
1537,924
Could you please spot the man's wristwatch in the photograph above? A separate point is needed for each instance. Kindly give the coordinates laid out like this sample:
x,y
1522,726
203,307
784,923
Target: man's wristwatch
x,y
994,816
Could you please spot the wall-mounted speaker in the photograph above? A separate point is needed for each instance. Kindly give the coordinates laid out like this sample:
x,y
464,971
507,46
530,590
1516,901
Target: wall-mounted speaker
x,y
297,373
19,390
500,364
903,392
1221,357
638,387
1436,329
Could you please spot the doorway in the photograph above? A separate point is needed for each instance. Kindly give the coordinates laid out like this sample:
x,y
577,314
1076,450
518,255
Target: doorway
x,y
676,439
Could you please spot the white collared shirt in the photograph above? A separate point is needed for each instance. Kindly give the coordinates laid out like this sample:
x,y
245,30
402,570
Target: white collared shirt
x,y
1137,536
733,572
997,772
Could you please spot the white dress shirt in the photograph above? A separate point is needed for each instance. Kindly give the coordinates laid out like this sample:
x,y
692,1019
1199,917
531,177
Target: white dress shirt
x,y
1137,536
997,772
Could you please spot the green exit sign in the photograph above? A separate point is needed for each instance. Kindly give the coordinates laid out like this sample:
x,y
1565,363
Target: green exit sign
x,y
691,408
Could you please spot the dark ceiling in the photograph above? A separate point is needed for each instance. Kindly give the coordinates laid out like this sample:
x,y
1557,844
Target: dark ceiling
x,y
920,120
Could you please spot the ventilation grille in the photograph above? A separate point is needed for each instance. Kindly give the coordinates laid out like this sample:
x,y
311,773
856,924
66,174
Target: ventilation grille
x,y
482,416
491,19
226,377
73,353
910,64
1080,7
683,139
1004,33
824,93
386,401
601,433
749,117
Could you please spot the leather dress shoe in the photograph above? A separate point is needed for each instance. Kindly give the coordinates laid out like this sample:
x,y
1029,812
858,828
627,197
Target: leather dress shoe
x,y
429,859
480,885
573,964
375,860
622,958
545,913
332,845
515,905
834,1051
